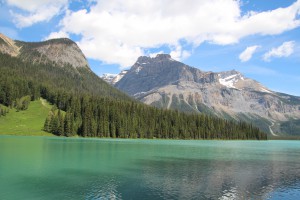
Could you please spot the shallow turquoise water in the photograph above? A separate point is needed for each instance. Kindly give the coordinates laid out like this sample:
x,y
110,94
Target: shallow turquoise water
x,y
76,168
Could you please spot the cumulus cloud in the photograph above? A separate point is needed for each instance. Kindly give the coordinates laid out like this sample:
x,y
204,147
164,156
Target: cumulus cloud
x,y
35,11
248,52
153,55
59,34
179,54
284,50
118,31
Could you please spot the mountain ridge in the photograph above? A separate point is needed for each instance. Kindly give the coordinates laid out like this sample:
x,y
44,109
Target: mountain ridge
x,y
166,83
62,51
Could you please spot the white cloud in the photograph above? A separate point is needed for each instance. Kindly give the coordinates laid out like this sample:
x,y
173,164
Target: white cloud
x,y
153,55
248,52
179,54
31,5
35,11
59,34
284,50
118,31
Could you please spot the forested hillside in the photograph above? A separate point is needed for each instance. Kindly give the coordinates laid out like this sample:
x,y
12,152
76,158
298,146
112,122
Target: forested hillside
x,y
86,106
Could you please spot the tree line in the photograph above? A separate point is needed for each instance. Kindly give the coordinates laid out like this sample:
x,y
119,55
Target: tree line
x,y
102,117
104,112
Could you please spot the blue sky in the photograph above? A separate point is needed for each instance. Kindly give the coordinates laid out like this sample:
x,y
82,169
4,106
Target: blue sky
x,y
261,39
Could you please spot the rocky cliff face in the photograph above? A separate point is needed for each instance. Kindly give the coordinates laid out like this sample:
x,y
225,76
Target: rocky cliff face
x,y
8,46
59,51
166,83
153,73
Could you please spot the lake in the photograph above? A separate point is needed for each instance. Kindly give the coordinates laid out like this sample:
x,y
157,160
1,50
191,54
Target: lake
x,y
77,168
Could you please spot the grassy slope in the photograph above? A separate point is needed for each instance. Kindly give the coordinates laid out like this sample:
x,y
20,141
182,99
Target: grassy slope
x,y
28,122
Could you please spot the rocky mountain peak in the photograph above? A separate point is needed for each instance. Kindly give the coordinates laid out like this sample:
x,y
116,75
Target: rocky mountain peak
x,y
229,73
149,73
61,51
143,59
163,56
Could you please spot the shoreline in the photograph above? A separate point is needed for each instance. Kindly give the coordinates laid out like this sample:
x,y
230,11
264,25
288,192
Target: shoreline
x,y
270,138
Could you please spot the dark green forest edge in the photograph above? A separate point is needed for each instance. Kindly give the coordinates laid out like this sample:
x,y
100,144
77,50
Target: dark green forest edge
x,y
86,106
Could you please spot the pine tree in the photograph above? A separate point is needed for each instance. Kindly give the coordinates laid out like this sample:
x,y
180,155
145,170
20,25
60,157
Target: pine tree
x,y
54,125
47,125
67,124
60,129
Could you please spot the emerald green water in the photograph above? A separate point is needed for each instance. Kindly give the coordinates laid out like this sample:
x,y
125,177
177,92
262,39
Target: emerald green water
x,y
76,168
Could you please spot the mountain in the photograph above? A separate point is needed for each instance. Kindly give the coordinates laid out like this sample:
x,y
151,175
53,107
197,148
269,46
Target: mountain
x,y
166,83
59,51
113,78
108,77
57,63
56,71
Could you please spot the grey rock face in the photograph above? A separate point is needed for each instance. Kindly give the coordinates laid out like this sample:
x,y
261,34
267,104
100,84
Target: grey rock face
x,y
152,73
8,46
60,51
63,51
166,83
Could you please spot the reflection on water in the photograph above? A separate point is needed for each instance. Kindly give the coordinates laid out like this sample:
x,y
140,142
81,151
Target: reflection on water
x,y
58,168
104,189
214,179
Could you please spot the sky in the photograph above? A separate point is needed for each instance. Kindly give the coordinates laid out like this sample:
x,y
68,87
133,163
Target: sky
x,y
259,38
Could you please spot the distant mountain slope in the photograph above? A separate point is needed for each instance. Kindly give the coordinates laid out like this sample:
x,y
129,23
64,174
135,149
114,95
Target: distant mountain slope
x,y
167,83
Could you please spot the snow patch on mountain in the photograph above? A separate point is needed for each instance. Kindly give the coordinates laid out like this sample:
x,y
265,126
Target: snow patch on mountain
x,y
229,81
138,69
113,78
119,77
108,77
